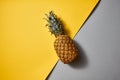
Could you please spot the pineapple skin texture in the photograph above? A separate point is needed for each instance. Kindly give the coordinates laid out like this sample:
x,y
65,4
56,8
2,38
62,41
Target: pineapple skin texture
x,y
65,49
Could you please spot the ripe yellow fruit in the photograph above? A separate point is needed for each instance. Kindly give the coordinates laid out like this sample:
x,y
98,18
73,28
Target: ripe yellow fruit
x,y
65,48
64,45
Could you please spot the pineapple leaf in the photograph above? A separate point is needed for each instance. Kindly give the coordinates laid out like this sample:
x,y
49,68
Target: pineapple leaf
x,y
54,24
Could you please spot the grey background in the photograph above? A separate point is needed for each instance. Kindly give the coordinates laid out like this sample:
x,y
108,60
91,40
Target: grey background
x,y
99,46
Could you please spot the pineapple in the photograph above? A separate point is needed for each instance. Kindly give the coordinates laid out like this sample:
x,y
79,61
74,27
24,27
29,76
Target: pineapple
x,y
63,45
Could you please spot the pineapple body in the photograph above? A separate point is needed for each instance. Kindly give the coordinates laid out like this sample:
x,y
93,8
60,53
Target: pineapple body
x,y
65,48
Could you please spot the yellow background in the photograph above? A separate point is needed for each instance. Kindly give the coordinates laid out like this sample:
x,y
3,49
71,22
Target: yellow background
x,y
26,46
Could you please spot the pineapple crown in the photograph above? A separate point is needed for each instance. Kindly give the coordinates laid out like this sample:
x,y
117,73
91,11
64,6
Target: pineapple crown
x,y
54,24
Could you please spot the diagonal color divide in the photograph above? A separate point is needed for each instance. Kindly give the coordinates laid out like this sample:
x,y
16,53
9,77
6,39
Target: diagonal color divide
x,y
26,46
